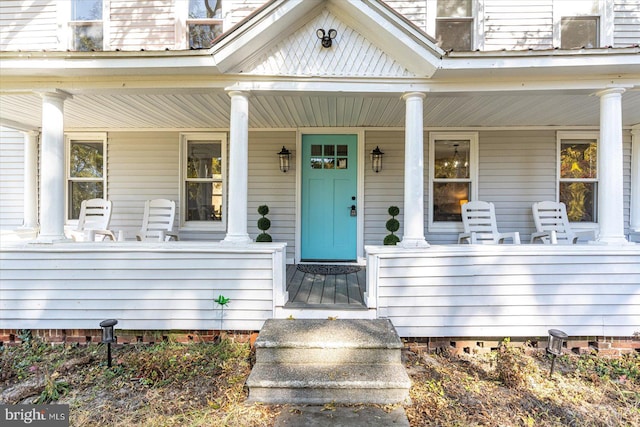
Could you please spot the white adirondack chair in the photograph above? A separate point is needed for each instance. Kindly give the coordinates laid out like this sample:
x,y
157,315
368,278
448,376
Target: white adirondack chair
x,y
479,221
157,223
552,225
93,223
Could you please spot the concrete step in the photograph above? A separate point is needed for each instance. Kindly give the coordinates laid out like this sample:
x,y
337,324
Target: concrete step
x,y
323,361
319,384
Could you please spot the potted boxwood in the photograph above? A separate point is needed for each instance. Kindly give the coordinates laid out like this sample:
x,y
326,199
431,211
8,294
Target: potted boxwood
x,y
392,225
263,224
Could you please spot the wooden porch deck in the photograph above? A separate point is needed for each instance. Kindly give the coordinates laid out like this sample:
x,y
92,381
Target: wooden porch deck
x,y
316,290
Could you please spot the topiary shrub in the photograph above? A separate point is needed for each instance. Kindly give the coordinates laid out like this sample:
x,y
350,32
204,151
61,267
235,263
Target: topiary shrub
x,y
392,225
263,224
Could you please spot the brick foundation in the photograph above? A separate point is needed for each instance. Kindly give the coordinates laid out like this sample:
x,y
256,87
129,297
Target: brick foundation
x,y
94,336
610,346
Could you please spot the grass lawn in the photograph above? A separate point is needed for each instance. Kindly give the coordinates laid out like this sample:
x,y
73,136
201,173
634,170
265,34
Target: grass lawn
x,y
172,384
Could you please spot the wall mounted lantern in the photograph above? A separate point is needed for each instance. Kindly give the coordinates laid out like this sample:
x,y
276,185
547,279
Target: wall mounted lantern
x,y
284,155
326,37
108,336
376,159
556,339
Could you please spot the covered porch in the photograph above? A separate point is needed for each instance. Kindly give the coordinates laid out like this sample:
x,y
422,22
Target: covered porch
x,y
252,94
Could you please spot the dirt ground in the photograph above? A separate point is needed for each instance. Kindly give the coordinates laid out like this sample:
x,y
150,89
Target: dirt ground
x,y
171,384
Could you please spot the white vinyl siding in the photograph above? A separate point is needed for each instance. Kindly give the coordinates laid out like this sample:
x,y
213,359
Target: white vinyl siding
x,y
518,25
385,188
148,25
626,23
141,166
11,179
268,186
235,11
141,285
509,290
28,25
517,169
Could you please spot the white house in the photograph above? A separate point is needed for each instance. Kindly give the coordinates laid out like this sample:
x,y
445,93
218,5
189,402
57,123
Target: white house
x,y
507,102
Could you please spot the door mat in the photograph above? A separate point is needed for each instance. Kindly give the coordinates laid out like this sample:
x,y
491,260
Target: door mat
x,y
328,269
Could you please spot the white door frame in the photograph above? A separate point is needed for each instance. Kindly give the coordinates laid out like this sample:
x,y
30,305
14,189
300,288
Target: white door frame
x,y
359,133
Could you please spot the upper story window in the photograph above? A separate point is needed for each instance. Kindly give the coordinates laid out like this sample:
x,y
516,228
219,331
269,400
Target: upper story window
x,y
86,170
204,22
454,25
578,175
203,174
86,25
579,31
582,23
452,177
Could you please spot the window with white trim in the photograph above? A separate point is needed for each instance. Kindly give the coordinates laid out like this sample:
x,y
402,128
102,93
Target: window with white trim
x,y
582,23
453,174
578,175
454,25
204,22
203,180
86,25
86,170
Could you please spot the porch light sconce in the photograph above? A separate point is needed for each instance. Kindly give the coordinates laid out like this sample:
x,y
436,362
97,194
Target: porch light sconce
x,y
376,159
326,37
284,155
108,336
556,339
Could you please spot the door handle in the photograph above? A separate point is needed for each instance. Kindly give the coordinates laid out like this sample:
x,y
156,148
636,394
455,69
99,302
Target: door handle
x,y
354,212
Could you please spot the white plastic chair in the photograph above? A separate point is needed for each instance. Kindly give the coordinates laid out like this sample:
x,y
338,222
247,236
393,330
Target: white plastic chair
x,y
157,223
552,225
479,221
93,222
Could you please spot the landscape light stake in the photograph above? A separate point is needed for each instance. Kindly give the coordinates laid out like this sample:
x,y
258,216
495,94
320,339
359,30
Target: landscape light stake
x,y
108,336
556,339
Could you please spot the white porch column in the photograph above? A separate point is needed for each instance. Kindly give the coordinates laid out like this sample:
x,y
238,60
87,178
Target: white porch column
x,y
30,204
610,170
413,234
52,176
238,166
634,226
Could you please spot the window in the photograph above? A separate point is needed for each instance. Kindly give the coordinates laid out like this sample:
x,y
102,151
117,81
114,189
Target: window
x,y
204,22
578,172
86,177
203,171
579,32
454,25
86,25
452,177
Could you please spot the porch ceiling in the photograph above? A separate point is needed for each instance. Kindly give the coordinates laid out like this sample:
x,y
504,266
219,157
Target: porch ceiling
x,y
209,108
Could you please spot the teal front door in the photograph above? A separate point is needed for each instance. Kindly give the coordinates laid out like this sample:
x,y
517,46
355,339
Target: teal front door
x,y
329,210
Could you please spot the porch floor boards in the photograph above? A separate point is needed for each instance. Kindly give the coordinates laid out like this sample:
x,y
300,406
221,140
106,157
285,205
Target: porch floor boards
x,y
338,291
